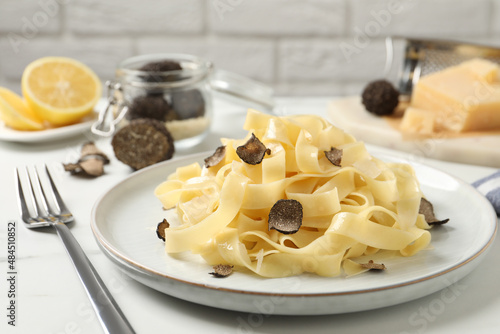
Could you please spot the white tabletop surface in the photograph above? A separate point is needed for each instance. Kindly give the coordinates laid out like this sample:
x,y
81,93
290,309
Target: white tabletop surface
x,y
50,299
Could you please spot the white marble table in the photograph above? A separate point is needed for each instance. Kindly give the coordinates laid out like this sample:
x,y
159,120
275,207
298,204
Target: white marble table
x,y
50,299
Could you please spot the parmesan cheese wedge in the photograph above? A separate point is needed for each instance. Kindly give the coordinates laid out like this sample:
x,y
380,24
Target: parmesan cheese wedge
x,y
458,99
419,121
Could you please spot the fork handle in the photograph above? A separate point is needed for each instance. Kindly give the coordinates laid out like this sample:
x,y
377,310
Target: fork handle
x,y
109,313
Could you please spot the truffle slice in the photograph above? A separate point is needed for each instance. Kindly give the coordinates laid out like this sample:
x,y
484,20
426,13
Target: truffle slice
x,y
253,151
151,106
286,216
92,166
90,149
143,142
188,103
91,162
427,209
373,266
380,97
160,229
334,156
215,158
222,270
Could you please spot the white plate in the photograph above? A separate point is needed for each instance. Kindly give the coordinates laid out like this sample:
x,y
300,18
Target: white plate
x,y
124,221
8,134
349,114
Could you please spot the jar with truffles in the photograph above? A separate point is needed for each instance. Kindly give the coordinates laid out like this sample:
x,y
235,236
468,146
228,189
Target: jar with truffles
x,y
176,90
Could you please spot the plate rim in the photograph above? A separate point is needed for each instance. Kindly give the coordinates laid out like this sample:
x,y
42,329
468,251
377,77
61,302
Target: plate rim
x,y
12,135
123,259
17,136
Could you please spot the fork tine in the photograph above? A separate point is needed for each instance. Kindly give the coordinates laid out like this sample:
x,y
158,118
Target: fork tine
x,y
36,205
64,213
25,214
43,197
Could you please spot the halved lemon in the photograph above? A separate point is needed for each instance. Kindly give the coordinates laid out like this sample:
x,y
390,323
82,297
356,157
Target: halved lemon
x,y
15,113
60,90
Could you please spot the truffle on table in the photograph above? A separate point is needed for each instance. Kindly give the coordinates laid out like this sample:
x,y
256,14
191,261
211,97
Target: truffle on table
x,y
91,162
143,142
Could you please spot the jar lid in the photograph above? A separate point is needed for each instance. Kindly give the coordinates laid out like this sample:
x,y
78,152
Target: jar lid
x,y
172,71
178,71
227,85
243,90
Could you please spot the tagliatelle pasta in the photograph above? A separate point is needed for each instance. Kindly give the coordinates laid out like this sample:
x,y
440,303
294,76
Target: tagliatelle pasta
x,y
355,209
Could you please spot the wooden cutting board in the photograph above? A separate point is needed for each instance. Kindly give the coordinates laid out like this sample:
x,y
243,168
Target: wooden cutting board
x,y
350,115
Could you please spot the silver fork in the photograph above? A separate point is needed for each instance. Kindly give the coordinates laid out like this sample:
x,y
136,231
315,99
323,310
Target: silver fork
x,y
109,313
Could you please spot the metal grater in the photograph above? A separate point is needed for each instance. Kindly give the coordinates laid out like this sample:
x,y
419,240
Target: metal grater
x,y
422,57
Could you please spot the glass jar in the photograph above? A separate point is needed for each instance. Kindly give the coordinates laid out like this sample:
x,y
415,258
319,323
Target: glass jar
x,y
176,89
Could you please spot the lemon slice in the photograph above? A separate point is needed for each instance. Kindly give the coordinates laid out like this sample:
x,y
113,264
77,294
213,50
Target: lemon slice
x,y
60,90
15,113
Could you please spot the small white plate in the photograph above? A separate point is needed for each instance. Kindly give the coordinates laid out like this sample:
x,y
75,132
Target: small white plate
x,y
8,134
350,115
124,221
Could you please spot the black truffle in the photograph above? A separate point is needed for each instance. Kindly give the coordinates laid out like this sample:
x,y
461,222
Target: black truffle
x,y
188,103
143,142
151,106
427,209
286,216
161,66
160,229
158,71
380,97
334,156
373,266
215,158
253,151
222,270
91,162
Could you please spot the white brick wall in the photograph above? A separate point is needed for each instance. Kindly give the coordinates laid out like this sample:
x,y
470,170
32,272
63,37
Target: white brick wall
x,y
322,59
29,17
101,54
441,18
300,47
243,56
278,17
496,17
99,17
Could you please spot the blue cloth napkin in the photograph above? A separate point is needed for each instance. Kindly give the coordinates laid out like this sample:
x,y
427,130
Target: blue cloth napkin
x,y
490,187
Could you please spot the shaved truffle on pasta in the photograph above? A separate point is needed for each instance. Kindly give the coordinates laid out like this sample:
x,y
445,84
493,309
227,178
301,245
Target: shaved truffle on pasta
x,y
285,216
334,156
349,210
253,151
215,158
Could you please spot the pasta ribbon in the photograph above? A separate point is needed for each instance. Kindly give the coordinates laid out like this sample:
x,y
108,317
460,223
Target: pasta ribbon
x,y
357,208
